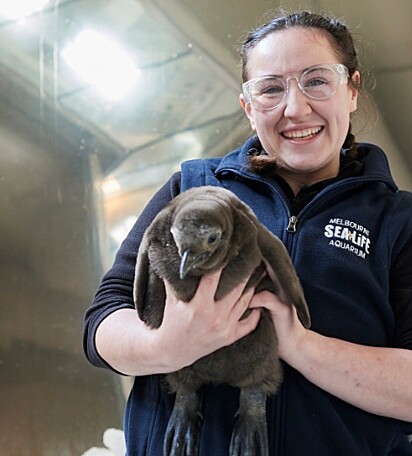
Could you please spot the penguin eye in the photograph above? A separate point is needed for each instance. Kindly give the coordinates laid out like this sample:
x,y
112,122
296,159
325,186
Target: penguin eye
x,y
212,239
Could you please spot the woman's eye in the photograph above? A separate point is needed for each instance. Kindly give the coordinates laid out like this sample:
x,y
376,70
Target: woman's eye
x,y
315,82
271,89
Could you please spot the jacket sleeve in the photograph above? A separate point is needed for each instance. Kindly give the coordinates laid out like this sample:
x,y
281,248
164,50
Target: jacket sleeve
x,y
116,287
401,297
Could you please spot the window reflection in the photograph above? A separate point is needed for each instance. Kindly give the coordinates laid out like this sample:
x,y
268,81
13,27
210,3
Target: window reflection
x,y
76,168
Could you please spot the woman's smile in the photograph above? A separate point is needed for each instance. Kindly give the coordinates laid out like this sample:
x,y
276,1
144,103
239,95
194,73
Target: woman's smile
x,y
302,134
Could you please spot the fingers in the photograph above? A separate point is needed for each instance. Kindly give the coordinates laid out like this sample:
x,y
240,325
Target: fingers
x,y
248,324
267,300
239,291
241,325
241,302
208,285
234,303
222,318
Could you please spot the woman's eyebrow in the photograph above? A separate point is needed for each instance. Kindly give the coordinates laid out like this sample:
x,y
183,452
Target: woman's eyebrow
x,y
280,76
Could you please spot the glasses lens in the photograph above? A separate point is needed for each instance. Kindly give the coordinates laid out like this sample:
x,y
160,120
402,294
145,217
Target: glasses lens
x,y
320,82
267,93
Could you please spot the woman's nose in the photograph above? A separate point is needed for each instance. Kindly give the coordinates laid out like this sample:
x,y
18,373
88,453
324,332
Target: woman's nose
x,y
296,103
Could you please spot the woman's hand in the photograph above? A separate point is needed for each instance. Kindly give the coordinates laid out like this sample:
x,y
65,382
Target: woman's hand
x,y
290,331
360,375
191,330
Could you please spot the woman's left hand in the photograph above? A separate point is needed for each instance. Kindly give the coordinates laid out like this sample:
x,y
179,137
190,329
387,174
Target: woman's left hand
x,y
290,331
375,379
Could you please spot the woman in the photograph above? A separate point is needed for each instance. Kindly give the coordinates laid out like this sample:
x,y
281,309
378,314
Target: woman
x,y
346,389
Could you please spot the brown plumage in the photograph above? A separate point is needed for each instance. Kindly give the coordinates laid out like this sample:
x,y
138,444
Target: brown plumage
x,y
201,231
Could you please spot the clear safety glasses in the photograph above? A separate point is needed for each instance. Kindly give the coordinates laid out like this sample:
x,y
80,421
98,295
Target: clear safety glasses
x,y
318,82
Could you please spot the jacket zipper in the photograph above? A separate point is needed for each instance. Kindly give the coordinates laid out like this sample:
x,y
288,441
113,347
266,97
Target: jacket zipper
x,y
293,221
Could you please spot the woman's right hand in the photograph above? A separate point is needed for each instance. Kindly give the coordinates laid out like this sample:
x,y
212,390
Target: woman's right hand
x,y
191,330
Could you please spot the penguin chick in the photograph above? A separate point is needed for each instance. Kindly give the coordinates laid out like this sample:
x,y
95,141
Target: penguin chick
x,y
203,230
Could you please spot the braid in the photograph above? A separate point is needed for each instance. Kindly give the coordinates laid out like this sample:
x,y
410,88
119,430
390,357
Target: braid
x,y
350,144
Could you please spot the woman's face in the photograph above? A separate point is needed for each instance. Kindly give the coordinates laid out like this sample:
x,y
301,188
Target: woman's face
x,y
303,135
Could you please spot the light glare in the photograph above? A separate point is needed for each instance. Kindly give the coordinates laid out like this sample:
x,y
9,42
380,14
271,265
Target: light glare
x,y
102,63
18,9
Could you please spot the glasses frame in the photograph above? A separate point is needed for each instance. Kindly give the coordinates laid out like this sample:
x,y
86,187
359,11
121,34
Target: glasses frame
x,y
340,70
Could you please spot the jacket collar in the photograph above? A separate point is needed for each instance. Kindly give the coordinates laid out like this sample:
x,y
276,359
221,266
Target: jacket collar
x,y
374,160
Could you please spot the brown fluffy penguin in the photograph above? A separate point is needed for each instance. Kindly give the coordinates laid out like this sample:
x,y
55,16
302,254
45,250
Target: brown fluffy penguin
x,y
201,231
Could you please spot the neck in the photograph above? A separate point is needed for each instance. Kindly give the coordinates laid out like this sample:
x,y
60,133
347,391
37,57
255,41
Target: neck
x,y
297,181
264,164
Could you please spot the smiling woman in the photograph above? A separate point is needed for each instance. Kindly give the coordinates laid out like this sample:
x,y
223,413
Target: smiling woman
x,y
303,131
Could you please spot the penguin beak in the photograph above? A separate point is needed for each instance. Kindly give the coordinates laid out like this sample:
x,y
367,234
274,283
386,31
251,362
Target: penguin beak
x,y
185,264
188,261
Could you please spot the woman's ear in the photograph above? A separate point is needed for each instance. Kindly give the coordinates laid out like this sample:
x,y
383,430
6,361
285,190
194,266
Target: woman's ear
x,y
248,110
354,88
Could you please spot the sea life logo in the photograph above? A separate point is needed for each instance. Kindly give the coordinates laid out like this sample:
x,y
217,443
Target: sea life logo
x,y
348,235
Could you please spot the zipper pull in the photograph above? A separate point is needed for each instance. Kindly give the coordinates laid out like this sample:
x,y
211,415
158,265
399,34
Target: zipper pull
x,y
291,228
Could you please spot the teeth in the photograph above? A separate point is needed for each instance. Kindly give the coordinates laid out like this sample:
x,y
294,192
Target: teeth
x,y
302,133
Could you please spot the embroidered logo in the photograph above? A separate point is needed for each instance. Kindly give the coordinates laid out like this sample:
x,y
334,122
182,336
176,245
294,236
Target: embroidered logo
x,y
348,235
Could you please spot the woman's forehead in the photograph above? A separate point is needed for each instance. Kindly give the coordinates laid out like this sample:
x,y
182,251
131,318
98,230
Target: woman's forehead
x,y
290,50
